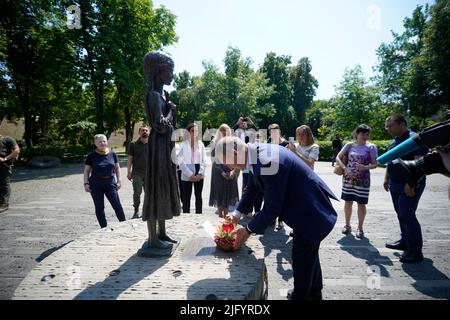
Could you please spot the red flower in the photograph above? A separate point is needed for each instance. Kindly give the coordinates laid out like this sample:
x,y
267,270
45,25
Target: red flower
x,y
227,227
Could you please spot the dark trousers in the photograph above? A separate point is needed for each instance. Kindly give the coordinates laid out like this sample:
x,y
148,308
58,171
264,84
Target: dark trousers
x,y
335,153
5,185
186,186
244,180
101,188
405,207
306,267
179,183
257,204
186,193
138,187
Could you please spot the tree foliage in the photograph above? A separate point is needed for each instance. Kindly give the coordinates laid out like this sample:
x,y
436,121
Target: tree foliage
x,y
413,68
304,87
54,76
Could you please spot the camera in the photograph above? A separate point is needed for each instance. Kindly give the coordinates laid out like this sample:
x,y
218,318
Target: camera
x,y
415,170
284,143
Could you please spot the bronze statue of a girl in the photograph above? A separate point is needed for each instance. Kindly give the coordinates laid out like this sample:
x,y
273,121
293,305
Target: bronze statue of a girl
x,y
162,198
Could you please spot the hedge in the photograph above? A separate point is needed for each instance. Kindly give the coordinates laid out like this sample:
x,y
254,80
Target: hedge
x,y
67,154
77,153
326,151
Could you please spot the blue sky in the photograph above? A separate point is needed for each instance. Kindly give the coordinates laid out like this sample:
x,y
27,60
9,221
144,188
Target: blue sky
x,y
334,34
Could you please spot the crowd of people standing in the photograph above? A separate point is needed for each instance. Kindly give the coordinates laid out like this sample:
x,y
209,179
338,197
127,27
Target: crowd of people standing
x,y
102,174
102,179
271,199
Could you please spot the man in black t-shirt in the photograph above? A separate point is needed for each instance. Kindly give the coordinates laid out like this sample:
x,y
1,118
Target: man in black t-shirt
x,y
136,166
9,151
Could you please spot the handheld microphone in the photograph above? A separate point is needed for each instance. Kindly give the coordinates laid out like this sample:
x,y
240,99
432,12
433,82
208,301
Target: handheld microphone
x,y
403,148
432,136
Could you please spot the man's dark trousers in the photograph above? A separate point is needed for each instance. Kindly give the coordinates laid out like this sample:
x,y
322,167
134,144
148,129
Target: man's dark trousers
x,y
411,233
306,267
5,185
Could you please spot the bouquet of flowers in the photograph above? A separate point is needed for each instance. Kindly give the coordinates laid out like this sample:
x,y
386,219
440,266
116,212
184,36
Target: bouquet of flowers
x,y
223,237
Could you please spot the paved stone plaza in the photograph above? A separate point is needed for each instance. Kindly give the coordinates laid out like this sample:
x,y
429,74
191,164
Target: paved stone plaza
x,y
49,209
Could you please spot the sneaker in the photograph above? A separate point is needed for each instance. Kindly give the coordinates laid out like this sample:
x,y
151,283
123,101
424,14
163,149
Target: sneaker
x,y
347,230
359,234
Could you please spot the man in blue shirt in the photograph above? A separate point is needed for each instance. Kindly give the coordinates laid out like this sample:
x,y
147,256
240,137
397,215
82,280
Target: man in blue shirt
x,y
291,191
404,198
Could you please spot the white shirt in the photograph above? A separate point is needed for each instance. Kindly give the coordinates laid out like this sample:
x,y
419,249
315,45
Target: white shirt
x,y
310,152
188,159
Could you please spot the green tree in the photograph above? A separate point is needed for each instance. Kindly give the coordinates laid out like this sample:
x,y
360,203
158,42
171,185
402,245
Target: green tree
x,y
37,63
276,70
357,102
304,87
436,53
133,29
401,77
320,117
216,97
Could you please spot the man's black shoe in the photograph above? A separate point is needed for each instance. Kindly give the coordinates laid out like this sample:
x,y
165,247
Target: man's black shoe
x,y
290,295
313,297
398,245
411,257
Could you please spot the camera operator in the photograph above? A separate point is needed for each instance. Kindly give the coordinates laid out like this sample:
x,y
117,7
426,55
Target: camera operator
x,y
404,198
437,161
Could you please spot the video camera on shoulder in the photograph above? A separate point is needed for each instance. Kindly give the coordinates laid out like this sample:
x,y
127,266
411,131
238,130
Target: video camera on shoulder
x,y
432,136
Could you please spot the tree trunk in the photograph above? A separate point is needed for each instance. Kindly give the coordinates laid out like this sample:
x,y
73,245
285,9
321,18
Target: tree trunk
x,y
129,127
24,100
99,104
97,85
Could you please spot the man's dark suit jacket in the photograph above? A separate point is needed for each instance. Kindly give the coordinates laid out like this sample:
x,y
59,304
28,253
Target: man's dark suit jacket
x,y
291,190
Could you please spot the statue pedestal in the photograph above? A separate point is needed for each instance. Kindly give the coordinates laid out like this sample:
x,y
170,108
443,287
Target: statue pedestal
x,y
116,265
150,252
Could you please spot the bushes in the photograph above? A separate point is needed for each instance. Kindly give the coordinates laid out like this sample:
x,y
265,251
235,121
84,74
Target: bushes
x,y
77,153
326,151
67,154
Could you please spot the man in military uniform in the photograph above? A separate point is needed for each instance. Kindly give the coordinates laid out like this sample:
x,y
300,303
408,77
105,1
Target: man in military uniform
x,y
136,165
9,151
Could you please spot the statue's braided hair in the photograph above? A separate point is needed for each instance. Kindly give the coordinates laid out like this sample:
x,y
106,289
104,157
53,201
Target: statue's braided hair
x,y
154,63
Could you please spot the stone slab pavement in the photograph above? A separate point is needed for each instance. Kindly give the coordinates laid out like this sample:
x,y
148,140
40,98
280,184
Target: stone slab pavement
x,y
49,209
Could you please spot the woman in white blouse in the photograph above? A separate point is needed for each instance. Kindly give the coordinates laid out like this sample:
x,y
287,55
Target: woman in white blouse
x,y
305,149
192,162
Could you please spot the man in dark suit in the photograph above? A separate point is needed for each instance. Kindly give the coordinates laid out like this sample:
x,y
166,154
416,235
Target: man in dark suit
x,y
293,192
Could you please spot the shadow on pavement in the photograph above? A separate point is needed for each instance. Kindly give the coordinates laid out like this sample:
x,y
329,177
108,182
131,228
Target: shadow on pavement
x,y
120,280
282,243
24,173
48,252
27,173
364,250
425,271
220,288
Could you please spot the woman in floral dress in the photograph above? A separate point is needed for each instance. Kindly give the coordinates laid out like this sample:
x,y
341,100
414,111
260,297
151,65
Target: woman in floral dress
x,y
356,179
